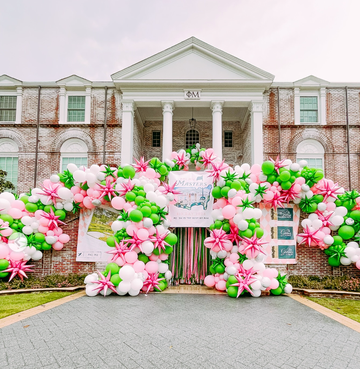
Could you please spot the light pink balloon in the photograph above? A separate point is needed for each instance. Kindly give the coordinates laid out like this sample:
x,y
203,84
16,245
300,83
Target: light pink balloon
x,y
216,278
358,264
221,285
90,192
267,273
7,232
222,203
47,183
274,284
297,187
127,206
43,229
50,233
326,230
228,262
234,257
152,230
4,251
16,255
15,213
321,235
44,222
153,257
228,212
131,257
58,232
209,281
139,266
163,257
78,197
152,267
254,178
118,203
150,173
143,234
75,189
64,238
330,206
130,229
96,194
268,196
38,214
145,273
300,180
236,201
57,246
120,261
87,203
18,204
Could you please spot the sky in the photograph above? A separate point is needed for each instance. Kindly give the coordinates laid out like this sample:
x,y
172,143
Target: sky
x,y
46,40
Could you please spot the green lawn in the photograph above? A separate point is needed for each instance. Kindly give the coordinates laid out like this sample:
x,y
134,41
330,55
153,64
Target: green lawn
x,y
12,304
348,308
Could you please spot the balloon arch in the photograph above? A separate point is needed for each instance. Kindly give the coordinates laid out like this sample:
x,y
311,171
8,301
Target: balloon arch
x,y
142,242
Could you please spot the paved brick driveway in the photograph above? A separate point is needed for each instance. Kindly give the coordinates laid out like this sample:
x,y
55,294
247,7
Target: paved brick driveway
x,y
179,331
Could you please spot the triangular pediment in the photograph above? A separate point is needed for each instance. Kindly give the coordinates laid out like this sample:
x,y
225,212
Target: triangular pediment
x,y
73,81
192,59
311,81
7,81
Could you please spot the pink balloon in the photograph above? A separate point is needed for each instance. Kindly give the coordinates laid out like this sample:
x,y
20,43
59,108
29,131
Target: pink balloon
x,y
222,202
152,230
120,261
96,194
152,267
43,229
130,229
267,273
254,178
7,232
118,203
163,257
145,274
78,197
139,266
236,201
209,281
38,214
274,284
47,183
330,206
256,169
150,173
326,230
358,264
321,235
228,211
87,203
18,204
90,192
44,222
216,278
64,238
221,285
75,189
50,233
16,255
234,257
297,187
143,234
300,180
131,257
268,196
127,206
58,232
15,213
4,251
228,262
57,246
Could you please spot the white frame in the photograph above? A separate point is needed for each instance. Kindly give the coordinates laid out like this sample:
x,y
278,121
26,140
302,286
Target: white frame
x,y
320,93
17,91
64,153
11,154
319,154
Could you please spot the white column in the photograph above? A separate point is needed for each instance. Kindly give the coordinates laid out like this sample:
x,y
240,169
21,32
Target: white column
x,y
18,104
127,132
323,105
257,149
87,104
168,107
297,105
62,104
216,107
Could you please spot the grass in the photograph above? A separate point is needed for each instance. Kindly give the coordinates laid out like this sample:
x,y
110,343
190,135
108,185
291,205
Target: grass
x,y
348,308
12,304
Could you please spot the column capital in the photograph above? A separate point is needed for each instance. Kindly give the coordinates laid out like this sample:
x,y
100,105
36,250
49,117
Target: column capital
x,y
216,106
167,106
256,106
128,106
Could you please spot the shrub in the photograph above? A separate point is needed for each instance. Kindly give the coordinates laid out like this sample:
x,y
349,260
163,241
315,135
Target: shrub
x,y
343,283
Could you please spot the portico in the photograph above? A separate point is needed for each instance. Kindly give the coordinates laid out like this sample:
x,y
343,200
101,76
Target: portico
x,y
193,78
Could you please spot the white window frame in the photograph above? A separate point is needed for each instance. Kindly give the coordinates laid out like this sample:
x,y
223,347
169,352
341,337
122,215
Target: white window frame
x,y
12,153
18,93
65,152
316,153
320,93
64,101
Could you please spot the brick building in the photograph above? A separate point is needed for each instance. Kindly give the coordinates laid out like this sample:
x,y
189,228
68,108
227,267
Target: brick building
x,y
144,110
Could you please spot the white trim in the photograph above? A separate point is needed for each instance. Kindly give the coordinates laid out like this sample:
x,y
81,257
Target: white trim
x,y
310,149
12,143
320,93
17,91
67,150
64,100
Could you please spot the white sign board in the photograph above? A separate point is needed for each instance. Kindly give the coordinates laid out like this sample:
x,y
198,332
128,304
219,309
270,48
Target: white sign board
x,y
194,204
94,228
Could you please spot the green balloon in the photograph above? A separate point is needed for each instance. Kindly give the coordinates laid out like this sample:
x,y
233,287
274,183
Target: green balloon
x,y
136,216
232,279
267,167
286,185
212,269
3,275
218,224
337,240
247,233
168,250
115,279
24,199
259,232
163,170
61,214
7,218
278,291
171,239
128,172
155,218
224,191
355,215
146,211
110,241
232,291
162,285
271,179
346,232
216,192
139,200
220,269
236,185
4,264
334,261
113,267
39,237
143,258
30,207
285,176
45,246
226,227
47,208
130,196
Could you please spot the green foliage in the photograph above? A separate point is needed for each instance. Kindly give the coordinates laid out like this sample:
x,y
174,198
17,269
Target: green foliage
x,y
49,281
343,283
4,184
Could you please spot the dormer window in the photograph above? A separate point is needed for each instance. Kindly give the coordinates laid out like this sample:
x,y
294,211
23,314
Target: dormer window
x,y
76,109
7,108
309,109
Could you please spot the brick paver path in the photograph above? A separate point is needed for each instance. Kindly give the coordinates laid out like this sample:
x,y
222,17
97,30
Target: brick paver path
x,y
179,331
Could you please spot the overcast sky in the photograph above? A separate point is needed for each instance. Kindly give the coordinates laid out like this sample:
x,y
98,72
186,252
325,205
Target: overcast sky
x,y
46,40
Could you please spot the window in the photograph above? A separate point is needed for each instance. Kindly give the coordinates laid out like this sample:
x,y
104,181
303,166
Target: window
x,y
192,137
156,139
312,151
76,109
228,139
308,109
73,151
8,108
9,159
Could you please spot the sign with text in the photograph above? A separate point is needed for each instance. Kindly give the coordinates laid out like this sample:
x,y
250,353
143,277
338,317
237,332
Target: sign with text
x,y
194,204
94,228
192,94
280,229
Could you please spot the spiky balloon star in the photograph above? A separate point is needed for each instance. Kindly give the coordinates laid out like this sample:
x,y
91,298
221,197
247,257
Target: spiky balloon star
x,y
207,159
53,220
309,236
108,189
141,165
278,164
18,268
244,280
218,238
169,189
253,245
182,160
217,168
120,250
127,187
159,240
104,283
152,282
328,189
51,191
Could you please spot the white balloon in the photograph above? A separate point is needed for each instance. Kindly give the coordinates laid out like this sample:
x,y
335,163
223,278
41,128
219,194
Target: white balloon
x,y
288,288
91,290
163,267
90,177
54,178
295,167
266,282
4,206
59,206
248,213
71,167
91,278
65,193
345,261
168,275
123,285
353,244
322,206
341,210
329,240
37,255
243,225
256,293
257,213
231,270
349,221
262,177
117,225
100,176
259,267
27,230
108,292
68,206
256,285
248,264
149,188
148,247
317,224
151,196
222,254
350,251
337,220
34,225
305,187
355,258
95,169
303,163
232,193
26,220
147,222
137,284
260,258
133,292
161,201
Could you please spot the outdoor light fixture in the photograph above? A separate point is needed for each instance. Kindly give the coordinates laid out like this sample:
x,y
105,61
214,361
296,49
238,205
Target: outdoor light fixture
x,y
192,121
